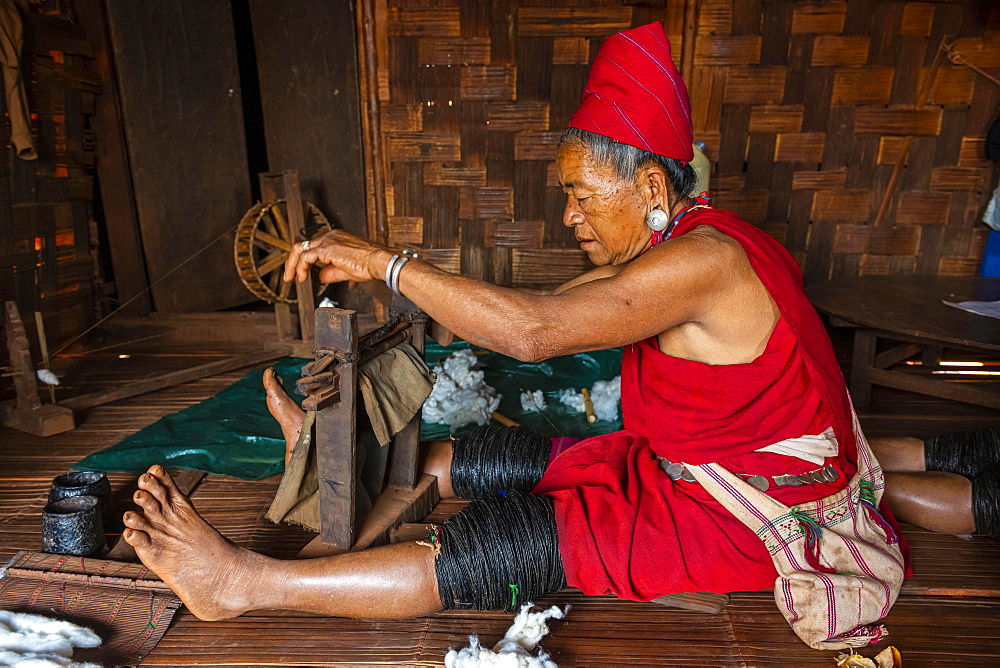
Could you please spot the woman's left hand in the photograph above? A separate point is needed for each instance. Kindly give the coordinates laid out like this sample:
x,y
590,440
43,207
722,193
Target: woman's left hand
x,y
341,257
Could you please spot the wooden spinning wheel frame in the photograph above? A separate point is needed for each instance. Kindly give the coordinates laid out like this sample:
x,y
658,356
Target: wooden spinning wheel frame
x,y
263,242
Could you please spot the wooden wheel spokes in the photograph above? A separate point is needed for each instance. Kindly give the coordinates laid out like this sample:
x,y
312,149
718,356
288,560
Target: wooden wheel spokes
x,y
263,243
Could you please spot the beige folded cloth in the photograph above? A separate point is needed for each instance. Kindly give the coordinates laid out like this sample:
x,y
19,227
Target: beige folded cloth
x,y
393,386
297,498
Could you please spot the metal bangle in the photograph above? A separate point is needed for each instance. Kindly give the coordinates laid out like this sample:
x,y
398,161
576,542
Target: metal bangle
x,y
394,284
388,270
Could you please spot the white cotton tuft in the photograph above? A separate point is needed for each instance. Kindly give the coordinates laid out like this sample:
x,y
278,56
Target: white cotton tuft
x,y
33,641
516,648
605,396
573,399
326,302
460,395
47,377
532,402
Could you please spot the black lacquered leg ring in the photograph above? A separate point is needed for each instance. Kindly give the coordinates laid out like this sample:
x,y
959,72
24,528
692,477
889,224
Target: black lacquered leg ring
x,y
498,553
495,459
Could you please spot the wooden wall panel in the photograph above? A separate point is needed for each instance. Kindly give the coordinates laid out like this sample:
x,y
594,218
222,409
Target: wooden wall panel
x,y
180,92
310,103
805,106
855,70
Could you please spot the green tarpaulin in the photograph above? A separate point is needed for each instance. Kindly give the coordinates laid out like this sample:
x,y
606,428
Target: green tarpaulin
x,y
233,434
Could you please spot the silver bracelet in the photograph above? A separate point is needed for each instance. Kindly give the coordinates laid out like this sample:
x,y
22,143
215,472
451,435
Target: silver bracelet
x,y
394,282
395,266
388,269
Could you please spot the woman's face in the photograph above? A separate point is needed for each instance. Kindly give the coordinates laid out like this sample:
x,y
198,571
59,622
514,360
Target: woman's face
x,y
607,214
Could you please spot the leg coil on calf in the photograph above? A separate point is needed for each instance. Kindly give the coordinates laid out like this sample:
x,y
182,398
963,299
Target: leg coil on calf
x,y
963,452
498,553
495,459
986,501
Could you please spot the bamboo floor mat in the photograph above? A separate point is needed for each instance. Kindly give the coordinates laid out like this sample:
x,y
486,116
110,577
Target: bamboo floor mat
x,y
599,631
949,614
125,604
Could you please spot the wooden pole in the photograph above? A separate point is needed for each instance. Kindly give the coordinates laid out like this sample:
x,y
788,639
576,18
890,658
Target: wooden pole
x,y
687,46
305,300
44,346
20,360
378,223
336,427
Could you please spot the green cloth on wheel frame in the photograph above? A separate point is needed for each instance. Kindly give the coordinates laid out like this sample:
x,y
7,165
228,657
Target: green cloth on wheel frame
x,y
233,434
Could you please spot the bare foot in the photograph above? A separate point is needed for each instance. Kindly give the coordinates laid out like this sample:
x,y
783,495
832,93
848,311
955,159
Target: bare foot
x,y
283,409
213,577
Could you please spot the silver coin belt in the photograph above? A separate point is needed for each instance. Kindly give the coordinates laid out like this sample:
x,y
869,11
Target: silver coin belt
x,y
677,471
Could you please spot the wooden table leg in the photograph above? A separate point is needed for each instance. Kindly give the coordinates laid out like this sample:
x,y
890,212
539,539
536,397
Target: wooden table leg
x,y
862,360
931,356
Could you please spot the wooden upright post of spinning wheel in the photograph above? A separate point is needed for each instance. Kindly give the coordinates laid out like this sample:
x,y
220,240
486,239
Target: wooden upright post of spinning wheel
x,y
264,238
27,413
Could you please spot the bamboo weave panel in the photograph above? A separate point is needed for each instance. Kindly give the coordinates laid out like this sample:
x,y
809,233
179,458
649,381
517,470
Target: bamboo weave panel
x,y
805,106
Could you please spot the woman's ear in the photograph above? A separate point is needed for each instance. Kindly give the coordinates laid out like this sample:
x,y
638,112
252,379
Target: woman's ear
x,y
656,187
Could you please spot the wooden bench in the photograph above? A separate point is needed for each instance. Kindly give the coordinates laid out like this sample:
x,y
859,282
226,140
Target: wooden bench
x,y
910,310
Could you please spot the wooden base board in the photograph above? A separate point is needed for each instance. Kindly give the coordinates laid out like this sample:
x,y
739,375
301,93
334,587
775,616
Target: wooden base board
x,y
396,507
46,420
138,387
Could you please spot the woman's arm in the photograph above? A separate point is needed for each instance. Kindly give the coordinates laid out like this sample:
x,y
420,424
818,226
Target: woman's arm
x,y
668,286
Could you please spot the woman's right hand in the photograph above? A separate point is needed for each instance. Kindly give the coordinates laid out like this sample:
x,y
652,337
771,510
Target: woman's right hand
x,y
341,257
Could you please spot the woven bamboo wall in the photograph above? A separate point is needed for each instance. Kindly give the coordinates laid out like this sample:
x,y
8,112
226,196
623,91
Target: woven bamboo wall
x,y
803,104
48,242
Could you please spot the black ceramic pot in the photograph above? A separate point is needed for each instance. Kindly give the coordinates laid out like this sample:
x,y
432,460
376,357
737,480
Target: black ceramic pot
x,y
89,483
73,526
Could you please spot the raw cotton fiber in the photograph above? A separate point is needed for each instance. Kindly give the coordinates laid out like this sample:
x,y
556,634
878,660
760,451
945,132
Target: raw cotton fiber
x,y
516,649
460,395
39,642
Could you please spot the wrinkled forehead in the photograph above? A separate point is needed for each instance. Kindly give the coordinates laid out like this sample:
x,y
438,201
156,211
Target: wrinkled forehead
x,y
577,165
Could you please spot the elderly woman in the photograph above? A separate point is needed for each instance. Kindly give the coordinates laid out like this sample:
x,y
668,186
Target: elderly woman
x,y
725,361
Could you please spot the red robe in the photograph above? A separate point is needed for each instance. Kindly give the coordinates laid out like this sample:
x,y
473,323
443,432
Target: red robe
x,y
624,527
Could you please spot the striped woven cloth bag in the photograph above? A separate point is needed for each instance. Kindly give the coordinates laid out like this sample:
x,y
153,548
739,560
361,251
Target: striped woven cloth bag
x,y
839,563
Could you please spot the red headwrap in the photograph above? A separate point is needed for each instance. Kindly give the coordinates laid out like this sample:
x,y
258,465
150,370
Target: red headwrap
x,y
636,96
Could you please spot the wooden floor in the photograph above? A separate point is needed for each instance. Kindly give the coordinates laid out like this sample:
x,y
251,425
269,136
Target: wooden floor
x,y
949,614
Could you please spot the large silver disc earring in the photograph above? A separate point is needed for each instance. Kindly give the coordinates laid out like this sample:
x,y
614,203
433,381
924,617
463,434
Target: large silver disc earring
x,y
657,220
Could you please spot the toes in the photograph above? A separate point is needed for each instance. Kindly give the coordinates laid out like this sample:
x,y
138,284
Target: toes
x,y
153,484
172,496
134,520
146,501
272,384
138,539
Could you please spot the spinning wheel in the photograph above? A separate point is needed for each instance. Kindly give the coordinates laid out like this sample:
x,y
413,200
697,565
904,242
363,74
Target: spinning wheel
x,y
263,241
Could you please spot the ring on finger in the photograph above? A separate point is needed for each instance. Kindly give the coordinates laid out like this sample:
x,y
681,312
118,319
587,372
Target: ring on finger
x,y
305,245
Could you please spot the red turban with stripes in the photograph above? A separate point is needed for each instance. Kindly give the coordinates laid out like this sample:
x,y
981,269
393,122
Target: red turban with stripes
x,y
636,96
